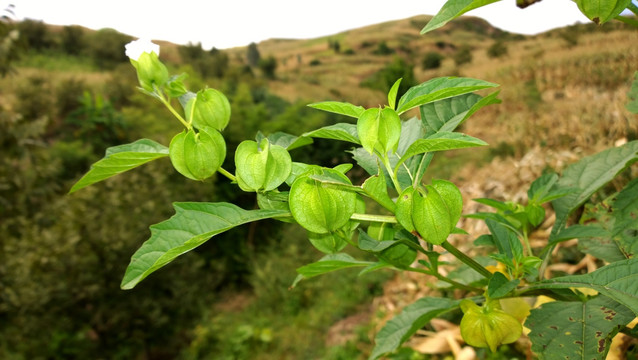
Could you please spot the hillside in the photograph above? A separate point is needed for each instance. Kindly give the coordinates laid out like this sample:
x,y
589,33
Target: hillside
x,y
563,96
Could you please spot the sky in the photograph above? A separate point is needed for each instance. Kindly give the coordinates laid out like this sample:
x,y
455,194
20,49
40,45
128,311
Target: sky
x,y
231,23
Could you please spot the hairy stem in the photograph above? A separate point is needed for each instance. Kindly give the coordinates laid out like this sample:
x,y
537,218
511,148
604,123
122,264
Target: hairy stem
x,y
374,218
456,284
466,259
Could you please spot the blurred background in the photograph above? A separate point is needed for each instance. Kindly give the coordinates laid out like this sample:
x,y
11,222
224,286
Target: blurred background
x,y
67,93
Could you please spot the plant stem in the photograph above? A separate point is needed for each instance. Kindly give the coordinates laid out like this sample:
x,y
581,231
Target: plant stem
x,y
528,247
374,218
174,112
467,260
633,8
447,280
227,174
388,167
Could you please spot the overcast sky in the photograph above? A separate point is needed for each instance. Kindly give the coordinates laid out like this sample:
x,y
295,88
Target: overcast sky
x,y
230,23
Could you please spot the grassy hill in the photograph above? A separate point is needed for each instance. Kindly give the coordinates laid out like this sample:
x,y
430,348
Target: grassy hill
x,y
563,95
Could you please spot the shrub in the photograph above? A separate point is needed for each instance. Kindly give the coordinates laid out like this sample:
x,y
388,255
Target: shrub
x,y
497,50
463,55
72,40
106,48
431,60
268,66
385,78
383,49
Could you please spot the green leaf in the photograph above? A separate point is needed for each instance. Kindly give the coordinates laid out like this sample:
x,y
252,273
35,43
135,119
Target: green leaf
x,y
287,141
500,285
439,89
580,232
618,280
321,208
587,176
632,95
535,214
367,243
601,11
451,10
413,317
328,243
379,129
541,187
119,159
342,108
576,330
193,224
616,219
329,263
505,240
376,188
341,131
273,200
448,114
392,94
431,216
440,141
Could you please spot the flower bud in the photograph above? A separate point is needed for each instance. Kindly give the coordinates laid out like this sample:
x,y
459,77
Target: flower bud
x,y
144,56
488,326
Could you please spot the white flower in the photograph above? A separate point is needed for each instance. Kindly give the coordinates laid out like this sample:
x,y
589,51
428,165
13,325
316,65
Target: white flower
x,y
136,48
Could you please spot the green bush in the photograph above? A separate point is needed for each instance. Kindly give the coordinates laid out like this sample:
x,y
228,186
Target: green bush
x,y
463,55
497,50
268,66
431,60
106,48
385,78
72,40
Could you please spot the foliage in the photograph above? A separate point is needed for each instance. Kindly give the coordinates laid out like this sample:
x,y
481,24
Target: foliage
x,y
73,40
386,77
268,66
463,55
35,35
105,48
383,49
213,63
431,60
252,55
497,49
409,220
9,47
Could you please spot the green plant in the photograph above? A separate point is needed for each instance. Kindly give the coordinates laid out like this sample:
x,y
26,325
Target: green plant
x,y
410,228
463,55
431,60
497,49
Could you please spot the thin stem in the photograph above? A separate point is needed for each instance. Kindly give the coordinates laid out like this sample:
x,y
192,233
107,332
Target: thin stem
x,y
388,167
374,218
633,8
174,112
466,259
447,280
528,247
227,174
